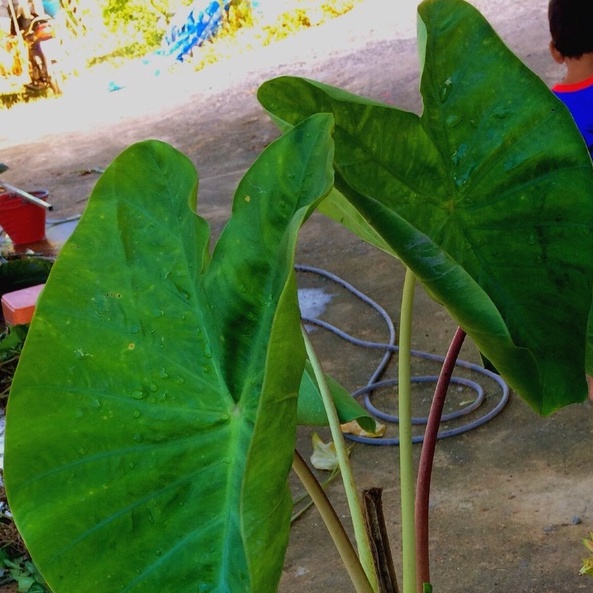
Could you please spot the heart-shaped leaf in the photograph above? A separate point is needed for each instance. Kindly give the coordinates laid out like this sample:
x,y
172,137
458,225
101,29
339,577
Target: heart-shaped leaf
x,y
150,428
486,197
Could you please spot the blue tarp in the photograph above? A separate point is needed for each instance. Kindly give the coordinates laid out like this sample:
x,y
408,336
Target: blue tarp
x,y
192,27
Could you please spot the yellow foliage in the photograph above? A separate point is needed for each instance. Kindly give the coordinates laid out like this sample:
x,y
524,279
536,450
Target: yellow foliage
x,y
242,30
587,567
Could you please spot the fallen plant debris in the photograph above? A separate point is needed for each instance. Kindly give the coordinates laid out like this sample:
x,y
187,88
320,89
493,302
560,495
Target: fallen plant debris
x,y
16,565
587,567
7,368
15,562
11,543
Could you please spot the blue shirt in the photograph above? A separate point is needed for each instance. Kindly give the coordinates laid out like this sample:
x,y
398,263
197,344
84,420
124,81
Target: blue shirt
x,y
578,98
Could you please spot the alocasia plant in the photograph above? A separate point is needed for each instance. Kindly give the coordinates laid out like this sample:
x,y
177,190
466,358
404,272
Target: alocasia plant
x,y
152,418
151,423
486,196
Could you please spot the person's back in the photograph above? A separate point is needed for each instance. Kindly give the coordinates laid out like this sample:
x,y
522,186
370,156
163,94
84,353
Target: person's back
x,y
571,28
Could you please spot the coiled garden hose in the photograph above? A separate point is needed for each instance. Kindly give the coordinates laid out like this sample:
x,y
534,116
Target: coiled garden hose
x,y
389,349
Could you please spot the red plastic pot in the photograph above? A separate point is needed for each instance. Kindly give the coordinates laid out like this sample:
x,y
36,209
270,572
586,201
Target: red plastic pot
x,y
23,221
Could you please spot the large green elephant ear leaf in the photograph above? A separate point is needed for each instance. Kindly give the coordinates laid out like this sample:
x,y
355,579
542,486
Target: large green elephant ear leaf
x,y
149,426
486,197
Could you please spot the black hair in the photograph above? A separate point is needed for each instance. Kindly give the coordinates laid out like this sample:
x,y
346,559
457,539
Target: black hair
x,y
571,26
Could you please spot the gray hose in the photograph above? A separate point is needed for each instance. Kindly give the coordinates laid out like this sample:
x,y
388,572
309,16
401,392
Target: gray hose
x,y
390,348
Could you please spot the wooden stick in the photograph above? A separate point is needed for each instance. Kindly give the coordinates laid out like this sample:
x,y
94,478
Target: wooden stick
x,y
375,521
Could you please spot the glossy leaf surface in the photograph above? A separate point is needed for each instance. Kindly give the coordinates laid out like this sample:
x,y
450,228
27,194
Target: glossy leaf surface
x,y
486,197
151,424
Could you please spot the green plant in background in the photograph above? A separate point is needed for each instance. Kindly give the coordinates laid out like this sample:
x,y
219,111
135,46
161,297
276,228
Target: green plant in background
x,y
11,344
243,28
134,28
23,572
239,15
145,21
16,566
174,372
303,15
22,272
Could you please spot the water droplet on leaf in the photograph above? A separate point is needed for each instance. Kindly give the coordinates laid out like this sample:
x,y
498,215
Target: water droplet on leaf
x,y
138,394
